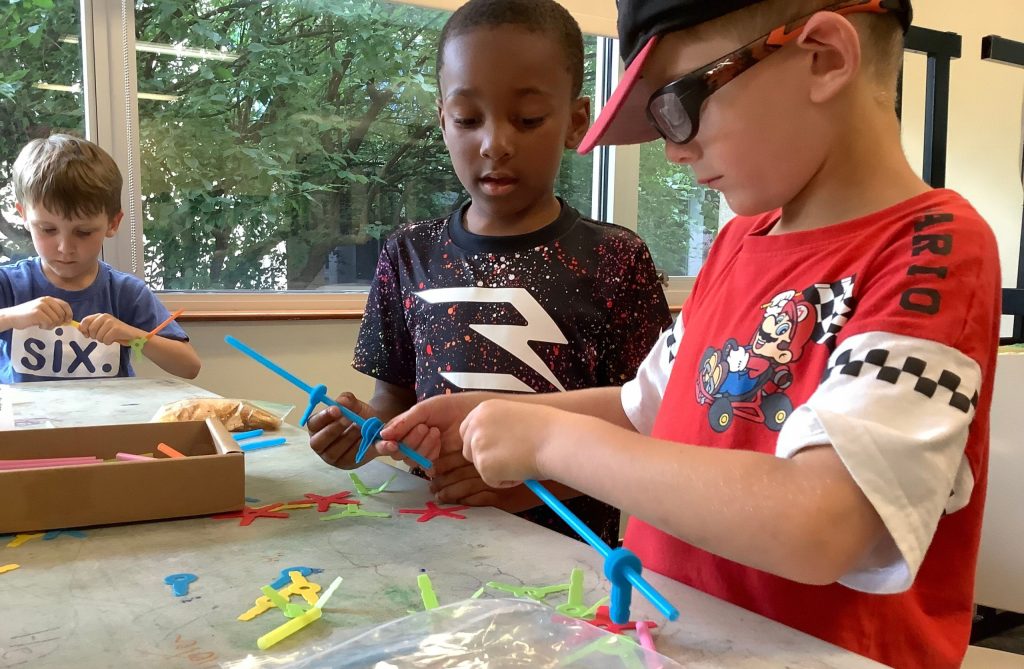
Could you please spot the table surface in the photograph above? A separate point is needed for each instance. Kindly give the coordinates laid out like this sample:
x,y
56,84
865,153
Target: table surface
x,y
101,601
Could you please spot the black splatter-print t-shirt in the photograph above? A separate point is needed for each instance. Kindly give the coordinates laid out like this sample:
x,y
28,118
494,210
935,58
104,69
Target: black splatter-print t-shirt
x,y
575,304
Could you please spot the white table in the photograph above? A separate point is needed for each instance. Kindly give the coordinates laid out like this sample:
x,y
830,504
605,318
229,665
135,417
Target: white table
x,y
101,601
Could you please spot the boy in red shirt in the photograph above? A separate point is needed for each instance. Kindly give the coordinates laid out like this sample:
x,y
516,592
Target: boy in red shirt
x,y
811,440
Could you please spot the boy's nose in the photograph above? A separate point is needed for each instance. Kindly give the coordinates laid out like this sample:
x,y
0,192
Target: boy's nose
x,y
497,142
682,154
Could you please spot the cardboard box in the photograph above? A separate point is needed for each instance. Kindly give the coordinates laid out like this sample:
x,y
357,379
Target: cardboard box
x,y
210,480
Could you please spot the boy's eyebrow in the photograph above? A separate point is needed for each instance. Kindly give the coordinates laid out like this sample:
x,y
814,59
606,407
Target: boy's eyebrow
x,y
469,92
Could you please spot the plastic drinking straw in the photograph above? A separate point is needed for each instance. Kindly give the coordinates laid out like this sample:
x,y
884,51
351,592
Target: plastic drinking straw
x,y
154,331
169,452
133,457
369,427
295,624
266,443
48,462
632,575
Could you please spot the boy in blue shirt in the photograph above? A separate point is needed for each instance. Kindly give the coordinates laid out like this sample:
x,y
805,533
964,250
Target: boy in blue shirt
x,y
65,314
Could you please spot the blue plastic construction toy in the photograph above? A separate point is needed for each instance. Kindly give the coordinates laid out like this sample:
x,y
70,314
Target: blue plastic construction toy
x,y
369,427
621,566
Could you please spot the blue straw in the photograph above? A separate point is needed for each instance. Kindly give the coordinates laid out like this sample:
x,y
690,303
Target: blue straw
x,y
632,575
318,394
266,443
248,435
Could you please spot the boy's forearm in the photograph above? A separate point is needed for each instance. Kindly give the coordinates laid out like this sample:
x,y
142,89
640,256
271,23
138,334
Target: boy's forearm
x,y
172,356
604,403
802,518
6,321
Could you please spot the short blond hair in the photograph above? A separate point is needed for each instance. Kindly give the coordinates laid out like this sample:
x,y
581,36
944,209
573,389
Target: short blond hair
x,y
69,176
881,35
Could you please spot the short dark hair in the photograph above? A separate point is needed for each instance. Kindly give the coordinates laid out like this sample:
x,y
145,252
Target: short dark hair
x,y
538,16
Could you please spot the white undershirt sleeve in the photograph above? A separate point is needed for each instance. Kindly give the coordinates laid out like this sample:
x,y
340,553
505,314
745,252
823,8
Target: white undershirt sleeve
x,y
641,397
897,410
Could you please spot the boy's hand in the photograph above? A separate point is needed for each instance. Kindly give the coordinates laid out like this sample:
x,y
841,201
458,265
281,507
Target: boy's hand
x,y
504,438
106,329
43,312
456,481
430,427
334,437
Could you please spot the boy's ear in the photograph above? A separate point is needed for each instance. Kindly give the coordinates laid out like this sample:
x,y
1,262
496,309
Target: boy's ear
x,y
579,122
20,209
114,224
440,121
835,54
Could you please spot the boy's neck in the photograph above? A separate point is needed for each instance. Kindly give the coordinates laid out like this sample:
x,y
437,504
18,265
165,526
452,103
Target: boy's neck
x,y
481,221
857,178
80,282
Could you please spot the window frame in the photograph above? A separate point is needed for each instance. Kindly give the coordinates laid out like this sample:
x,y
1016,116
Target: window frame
x,y
110,88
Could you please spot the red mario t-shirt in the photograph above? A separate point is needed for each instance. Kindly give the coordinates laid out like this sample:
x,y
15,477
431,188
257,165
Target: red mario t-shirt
x,y
877,336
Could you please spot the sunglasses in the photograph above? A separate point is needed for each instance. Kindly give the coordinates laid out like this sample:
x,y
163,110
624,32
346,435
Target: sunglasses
x,y
674,109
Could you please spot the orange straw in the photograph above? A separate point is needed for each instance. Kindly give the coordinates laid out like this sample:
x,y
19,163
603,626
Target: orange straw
x,y
169,452
164,324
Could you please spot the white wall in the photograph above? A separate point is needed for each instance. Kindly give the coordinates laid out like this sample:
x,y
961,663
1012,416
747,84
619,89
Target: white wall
x,y
985,115
983,164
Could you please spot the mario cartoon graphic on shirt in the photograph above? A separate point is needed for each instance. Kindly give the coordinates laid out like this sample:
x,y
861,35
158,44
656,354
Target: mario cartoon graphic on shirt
x,y
749,381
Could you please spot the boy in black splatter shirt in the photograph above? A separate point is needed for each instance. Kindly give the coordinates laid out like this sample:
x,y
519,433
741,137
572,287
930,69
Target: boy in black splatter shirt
x,y
516,291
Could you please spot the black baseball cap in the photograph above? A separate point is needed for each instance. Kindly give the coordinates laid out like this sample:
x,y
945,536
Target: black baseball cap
x,y
623,120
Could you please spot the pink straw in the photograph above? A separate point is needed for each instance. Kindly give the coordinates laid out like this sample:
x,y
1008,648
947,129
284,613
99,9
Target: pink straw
x,y
646,640
47,462
132,457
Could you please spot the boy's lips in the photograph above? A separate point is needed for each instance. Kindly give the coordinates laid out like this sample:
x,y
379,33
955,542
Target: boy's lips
x,y
498,183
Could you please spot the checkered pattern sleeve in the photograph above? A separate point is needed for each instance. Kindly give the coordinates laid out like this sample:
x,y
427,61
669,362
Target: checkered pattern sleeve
x,y
897,409
641,397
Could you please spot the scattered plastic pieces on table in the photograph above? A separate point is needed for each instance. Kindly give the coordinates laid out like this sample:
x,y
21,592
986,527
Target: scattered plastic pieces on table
x,y
249,514
285,577
621,566
266,443
295,624
434,511
248,435
353,511
369,427
427,593
576,607
169,451
603,621
8,567
621,647
324,502
301,505
287,608
20,539
296,584
366,492
252,500
53,534
179,583
536,593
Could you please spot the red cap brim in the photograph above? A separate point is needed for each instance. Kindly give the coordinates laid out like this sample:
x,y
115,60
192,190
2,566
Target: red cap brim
x,y
624,119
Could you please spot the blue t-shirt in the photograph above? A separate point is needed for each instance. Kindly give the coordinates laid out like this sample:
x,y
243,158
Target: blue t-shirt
x,y
34,354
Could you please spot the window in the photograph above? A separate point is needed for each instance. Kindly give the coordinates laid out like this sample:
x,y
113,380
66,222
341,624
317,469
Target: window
x,y
281,142
40,94
676,216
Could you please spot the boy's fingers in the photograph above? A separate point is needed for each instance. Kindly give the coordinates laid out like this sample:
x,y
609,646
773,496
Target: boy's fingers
x,y
322,419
